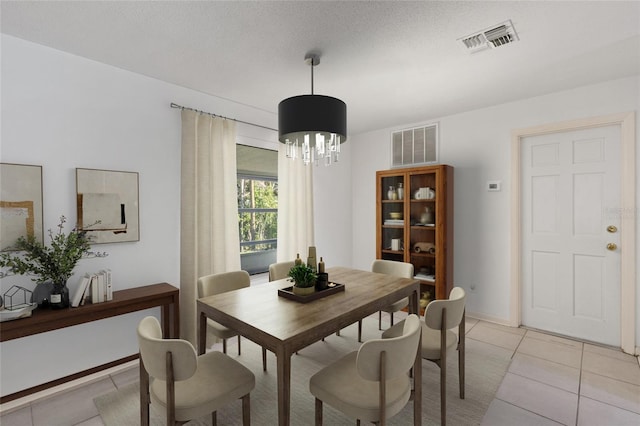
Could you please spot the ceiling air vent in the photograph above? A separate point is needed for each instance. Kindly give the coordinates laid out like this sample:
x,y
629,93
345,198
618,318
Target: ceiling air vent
x,y
490,38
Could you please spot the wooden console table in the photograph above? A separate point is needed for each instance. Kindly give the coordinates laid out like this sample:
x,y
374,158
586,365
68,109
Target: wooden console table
x,y
126,301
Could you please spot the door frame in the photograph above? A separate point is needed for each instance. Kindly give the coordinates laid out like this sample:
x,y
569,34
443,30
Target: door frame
x,y
626,121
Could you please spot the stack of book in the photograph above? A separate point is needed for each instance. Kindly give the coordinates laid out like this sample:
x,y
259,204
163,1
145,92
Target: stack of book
x,y
425,277
93,288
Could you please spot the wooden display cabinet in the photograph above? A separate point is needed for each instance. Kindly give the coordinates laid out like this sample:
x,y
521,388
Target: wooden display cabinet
x,y
424,234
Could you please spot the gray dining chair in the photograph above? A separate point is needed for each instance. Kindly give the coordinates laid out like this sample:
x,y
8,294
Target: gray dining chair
x,y
438,338
186,385
371,384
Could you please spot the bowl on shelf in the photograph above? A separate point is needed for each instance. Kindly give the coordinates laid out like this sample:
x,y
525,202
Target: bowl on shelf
x,y
395,215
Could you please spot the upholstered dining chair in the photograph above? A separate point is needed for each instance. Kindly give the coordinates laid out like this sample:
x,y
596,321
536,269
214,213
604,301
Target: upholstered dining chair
x,y
440,317
371,384
221,283
280,270
390,267
188,386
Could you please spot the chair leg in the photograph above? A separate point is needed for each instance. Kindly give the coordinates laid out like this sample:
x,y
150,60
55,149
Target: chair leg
x,y
391,319
214,419
443,393
360,331
318,412
461,372
264,359
338,333
238,344
144,395
461,354
224,346
246,410
379,320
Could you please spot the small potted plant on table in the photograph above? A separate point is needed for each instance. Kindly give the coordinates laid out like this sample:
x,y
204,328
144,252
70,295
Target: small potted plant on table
x,y
53,264
303,278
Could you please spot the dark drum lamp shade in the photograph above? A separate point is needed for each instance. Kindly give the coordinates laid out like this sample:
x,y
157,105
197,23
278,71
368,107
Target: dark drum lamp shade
x,y
311,114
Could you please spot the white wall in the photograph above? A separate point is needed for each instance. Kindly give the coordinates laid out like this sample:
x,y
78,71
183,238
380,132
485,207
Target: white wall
x,y
62,112
477,144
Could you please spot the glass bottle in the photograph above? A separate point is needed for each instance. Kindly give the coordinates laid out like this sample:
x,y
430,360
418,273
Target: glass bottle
x,y
391,192
400,191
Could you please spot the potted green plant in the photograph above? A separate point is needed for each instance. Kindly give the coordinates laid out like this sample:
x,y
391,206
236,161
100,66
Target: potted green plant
x,y
303,278
54,263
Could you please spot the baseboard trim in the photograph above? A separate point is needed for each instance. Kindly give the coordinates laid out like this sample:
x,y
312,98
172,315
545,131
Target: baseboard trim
x,y
82,378
489,318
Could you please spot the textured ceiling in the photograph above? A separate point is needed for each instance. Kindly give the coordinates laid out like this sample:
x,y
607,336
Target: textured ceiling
x,y
391,62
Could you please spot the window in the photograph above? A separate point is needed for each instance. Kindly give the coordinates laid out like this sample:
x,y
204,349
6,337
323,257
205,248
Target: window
x,y
257,207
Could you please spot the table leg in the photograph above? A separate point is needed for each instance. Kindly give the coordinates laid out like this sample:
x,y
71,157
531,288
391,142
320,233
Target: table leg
x,y
165,319
175,319
202,333
417,366
284,386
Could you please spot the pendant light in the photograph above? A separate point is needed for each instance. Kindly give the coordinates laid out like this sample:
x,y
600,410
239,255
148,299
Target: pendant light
x,y
312,126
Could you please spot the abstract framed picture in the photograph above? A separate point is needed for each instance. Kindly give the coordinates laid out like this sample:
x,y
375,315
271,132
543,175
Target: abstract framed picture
x,y
20,203
107,205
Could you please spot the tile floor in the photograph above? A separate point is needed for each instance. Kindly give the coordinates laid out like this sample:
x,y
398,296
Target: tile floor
x,y
550,381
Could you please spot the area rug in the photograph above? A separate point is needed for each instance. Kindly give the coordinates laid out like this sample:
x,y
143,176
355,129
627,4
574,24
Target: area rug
x,y
485,369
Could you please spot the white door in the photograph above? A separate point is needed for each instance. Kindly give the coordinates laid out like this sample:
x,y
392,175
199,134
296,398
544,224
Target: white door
x,y
571,233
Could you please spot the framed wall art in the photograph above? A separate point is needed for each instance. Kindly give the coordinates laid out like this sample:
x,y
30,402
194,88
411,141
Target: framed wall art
x,y
20,203
107,205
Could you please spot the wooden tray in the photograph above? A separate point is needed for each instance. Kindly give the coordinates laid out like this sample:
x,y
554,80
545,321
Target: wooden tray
x,y
287,293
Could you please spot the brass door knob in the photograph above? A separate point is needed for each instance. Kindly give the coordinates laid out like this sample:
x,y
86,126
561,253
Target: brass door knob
x,y
612,246
612,229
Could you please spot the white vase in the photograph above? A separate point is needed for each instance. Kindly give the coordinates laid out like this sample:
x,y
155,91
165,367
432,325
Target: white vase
x,y
303,291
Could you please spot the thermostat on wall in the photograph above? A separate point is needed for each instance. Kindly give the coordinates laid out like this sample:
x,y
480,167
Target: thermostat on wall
x,y
494,185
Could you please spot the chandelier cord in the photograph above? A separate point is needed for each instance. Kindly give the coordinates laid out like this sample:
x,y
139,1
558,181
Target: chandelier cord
x,y
312,65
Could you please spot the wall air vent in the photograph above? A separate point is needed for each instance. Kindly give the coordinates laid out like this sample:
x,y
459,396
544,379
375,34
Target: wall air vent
x,y
490,38
415,146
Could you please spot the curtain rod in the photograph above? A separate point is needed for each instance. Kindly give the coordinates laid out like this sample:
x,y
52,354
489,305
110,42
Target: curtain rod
x,y
174,105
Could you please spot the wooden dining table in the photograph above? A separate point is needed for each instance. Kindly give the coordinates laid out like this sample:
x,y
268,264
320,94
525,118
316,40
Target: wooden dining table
x,y
285,326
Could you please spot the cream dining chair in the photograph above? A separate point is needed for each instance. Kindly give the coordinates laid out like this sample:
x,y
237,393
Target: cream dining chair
x,y
390,267
186,385
371,384
210,285
280,270
440,317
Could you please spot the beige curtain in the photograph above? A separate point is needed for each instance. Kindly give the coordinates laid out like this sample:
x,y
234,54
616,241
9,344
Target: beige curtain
x,y
209,241
295,207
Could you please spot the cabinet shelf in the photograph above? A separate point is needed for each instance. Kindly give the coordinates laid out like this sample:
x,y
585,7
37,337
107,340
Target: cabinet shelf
x,y
426,255
439,178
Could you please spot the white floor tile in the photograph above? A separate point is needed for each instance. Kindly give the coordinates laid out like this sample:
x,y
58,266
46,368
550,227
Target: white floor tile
x,y
502,413
554,339
595,413
551,351
93,421
513,330
547,401
495,336
20,417
548,372
610,352
611,367
71,407
613,392
126,377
